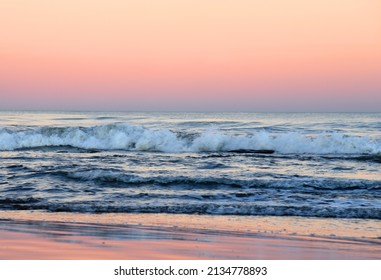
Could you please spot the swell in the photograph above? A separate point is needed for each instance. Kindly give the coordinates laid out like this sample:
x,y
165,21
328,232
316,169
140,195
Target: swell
x,y
122,136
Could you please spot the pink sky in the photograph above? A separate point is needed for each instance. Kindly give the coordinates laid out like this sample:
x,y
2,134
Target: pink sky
x,y
283,55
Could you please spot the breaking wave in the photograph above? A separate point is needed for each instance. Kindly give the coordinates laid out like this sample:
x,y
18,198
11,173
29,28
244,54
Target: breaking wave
x,y
121,136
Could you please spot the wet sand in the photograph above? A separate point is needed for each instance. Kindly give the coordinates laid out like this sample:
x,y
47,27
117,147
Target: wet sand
x,y
39,235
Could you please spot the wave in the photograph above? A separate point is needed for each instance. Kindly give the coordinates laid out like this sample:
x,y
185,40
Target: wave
x,y
113,190
305,184
202,208
121,136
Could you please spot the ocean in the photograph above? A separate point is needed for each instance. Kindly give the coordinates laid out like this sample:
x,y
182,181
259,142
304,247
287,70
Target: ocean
x,y
255,164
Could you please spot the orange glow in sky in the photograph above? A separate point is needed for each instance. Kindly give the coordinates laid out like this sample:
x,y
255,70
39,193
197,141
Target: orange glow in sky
x,y
191,55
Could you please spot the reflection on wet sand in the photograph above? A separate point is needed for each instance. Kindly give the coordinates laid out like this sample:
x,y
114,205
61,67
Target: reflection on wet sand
x,y
38,239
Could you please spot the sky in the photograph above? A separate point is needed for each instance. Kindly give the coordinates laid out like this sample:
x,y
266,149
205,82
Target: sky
x,y
192,55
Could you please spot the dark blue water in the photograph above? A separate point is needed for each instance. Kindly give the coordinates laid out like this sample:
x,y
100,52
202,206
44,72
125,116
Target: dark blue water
x,y
323,165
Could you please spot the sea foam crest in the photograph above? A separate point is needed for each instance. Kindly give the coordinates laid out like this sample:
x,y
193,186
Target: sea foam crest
x,y
138,138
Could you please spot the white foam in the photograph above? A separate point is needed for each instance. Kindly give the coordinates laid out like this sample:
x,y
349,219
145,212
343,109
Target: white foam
x,y
129,137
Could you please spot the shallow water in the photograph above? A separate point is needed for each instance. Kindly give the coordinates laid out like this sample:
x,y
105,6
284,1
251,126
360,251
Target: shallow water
x,y
323,165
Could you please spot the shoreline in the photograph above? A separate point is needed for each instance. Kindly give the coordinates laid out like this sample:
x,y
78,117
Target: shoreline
x,y
42,235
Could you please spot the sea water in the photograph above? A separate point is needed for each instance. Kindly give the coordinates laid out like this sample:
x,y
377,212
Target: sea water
x,y
323,165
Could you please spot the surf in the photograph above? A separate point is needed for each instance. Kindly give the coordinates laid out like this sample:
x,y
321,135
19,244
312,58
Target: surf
x,y
123,136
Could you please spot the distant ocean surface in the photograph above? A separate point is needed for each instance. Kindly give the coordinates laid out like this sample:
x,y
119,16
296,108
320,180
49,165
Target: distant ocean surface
x,y
323,165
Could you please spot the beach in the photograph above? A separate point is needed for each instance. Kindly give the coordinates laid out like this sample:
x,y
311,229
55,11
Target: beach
x,y
190,130
114,185
60,236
